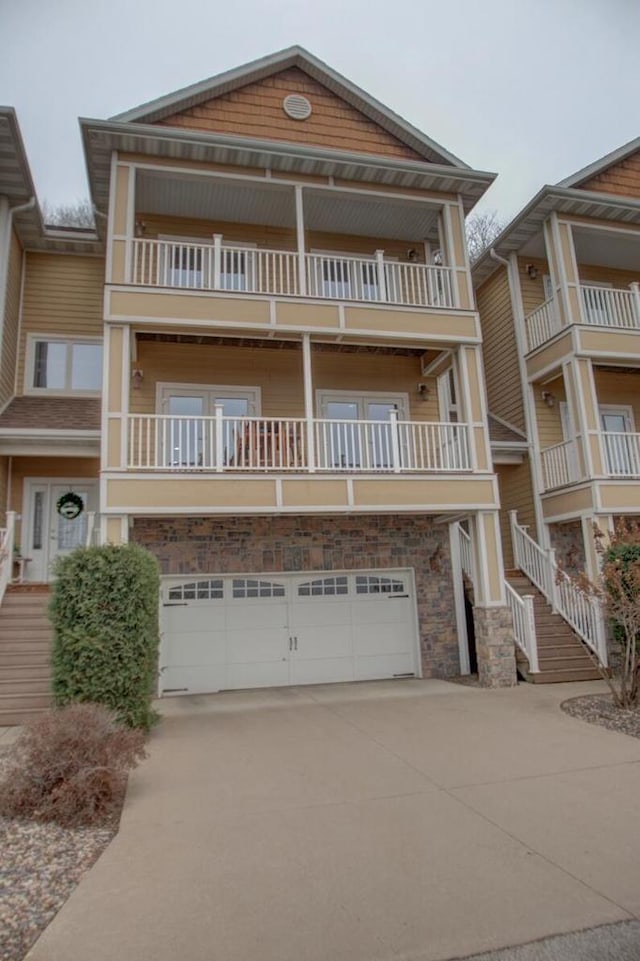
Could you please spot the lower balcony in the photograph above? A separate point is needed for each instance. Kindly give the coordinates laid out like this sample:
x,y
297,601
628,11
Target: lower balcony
x,y
254,465
222,444
621,459
610,307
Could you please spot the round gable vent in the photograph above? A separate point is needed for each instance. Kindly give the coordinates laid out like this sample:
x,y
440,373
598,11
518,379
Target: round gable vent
x,y
296,106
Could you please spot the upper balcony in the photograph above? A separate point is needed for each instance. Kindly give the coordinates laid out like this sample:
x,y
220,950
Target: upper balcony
x,y
582,280
248,252
615,308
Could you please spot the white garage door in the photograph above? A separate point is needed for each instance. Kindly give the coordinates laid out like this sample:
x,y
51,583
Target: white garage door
x,y
266,630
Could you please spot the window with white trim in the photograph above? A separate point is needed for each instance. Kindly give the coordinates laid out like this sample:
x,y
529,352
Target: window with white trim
x,y
198,591
248,587
324,587
372,584
64,366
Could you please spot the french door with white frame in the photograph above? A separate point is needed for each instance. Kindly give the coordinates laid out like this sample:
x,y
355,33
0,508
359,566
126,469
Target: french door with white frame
x,y
46,534
622,452
358,432
183,439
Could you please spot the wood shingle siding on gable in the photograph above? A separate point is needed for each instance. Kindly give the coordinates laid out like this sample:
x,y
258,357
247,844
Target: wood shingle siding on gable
x,y
62,297
622,178
499,350
256,111
9,352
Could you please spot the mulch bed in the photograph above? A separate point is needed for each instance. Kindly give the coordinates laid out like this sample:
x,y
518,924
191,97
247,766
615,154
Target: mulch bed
x,y
600,709
40,865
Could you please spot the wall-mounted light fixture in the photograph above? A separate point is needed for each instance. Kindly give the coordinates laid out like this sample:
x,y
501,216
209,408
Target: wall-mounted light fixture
x,y
412,254
140,228
532,271
549,398
423,391
137,376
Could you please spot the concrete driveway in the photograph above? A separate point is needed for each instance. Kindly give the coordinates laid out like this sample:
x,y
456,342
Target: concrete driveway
x,y
368,822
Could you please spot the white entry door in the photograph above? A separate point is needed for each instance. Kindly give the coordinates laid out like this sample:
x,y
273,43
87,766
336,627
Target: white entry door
x,y
46,533
266,630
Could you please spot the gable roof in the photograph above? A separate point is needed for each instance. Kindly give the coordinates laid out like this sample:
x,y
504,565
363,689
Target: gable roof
x,y
295,56
599,166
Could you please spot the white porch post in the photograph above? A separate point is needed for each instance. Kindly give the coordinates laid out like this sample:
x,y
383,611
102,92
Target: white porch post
x,y
302,274
219,448
217,260
308,401
382,279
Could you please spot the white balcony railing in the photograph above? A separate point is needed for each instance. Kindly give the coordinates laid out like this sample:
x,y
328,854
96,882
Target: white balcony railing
x,y
610,307
622,453
239,444
252,270
560,465
541,324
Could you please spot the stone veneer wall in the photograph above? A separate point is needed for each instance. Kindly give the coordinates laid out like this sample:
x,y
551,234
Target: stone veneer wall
x,y
495,646
251,544
569,546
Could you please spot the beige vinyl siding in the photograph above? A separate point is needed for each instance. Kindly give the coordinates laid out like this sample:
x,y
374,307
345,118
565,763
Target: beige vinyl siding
x,y
533,294
548,418
607,275
9,348
620,389
516,494
278,373
256,110
62,297
500,350
275,238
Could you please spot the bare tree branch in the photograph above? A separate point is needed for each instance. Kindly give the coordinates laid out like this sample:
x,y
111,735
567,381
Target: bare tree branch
x,y
78,214
482,229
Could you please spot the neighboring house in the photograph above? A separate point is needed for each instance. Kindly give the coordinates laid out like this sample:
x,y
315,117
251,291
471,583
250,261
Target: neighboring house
x,y
292,412
559,305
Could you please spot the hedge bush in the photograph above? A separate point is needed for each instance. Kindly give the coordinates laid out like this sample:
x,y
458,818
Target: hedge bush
x,y
70,765
104,610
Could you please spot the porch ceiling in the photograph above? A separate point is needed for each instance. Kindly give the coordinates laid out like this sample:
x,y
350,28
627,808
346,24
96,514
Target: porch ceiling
x,y
607,249
273,204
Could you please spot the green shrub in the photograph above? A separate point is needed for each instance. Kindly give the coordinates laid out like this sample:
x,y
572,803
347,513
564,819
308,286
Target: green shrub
x,y
70,766
104,611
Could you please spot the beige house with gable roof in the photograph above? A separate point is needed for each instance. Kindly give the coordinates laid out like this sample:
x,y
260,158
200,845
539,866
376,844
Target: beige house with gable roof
x,y
265,366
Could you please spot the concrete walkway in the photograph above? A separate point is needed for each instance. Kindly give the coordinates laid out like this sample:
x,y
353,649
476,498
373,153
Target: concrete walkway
x,y
400,820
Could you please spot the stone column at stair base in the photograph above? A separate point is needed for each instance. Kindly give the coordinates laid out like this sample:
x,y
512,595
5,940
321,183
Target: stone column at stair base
x,y
495,647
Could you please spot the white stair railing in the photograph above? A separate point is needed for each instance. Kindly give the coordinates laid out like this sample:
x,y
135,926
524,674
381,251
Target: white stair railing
x,y
582,613
7,541
521,608
524,625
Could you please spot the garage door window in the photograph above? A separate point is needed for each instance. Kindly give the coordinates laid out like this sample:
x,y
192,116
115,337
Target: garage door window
x,y
324,587
200,590
370,584
251,588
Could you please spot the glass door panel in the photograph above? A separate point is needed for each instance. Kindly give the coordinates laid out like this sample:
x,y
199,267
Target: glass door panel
x,y
619,449
343,439
183,435
380,446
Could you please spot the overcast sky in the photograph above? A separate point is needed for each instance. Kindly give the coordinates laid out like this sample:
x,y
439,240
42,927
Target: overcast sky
x,y
531,90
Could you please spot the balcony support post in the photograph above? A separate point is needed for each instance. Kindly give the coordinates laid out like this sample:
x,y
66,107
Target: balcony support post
x,y
219,451
382,279
395,441
635,290
302,273
308,401
217,260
